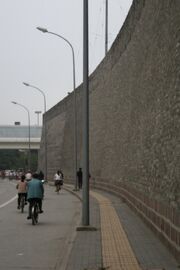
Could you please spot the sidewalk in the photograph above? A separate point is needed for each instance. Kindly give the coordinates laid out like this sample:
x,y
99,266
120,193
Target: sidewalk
x,y
121,241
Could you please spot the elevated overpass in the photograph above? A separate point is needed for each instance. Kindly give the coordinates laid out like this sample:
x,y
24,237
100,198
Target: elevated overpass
x,y
17,137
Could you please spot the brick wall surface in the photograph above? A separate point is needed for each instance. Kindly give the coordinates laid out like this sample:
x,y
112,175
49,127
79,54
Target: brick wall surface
x,y
134,106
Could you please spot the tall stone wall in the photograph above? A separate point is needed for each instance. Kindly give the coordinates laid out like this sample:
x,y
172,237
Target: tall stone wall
x,y
134,118
134,105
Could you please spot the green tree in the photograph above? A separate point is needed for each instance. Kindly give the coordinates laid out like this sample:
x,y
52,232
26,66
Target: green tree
x,y
16,159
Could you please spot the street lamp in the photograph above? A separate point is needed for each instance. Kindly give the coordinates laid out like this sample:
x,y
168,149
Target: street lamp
x,y
29,152
38,113
106,27
30,85
44,30
85,212
45,128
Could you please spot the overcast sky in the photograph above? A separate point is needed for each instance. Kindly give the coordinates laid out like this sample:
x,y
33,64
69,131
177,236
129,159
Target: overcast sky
x,y
44,60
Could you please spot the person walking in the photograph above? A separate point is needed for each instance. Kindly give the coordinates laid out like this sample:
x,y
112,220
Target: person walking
x,y
80,177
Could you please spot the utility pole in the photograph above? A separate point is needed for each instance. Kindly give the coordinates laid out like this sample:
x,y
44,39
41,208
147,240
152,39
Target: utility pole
x,y
85,210
106,27
38,113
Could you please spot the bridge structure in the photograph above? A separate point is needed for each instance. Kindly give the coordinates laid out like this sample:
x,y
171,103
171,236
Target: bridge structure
x,y
17,137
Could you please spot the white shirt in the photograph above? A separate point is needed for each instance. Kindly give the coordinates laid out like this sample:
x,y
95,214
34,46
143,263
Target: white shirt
x,y
57,177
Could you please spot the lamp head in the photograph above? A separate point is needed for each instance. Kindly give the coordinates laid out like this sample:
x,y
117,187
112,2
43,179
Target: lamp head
x,y
38,112
44,30
13,102
26,84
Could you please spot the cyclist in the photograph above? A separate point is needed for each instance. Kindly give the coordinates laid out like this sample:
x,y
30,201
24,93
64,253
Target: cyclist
x,y
28,176
58,180
41,175
35,193
22,190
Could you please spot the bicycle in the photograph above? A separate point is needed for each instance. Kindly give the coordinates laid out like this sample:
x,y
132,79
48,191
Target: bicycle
x,y
58,185
22,203
35,212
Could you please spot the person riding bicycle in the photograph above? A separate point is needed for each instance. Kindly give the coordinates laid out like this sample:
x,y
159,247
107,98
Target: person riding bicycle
x,y
58,180
28,176
35,193
22,190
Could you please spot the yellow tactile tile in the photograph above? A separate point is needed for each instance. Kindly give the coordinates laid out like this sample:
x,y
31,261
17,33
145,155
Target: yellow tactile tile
x,y
116,251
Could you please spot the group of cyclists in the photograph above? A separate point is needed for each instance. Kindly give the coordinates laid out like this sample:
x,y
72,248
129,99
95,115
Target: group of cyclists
x,y
31,187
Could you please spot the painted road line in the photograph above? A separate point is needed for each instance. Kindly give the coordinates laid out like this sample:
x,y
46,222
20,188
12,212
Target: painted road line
x,y
8,202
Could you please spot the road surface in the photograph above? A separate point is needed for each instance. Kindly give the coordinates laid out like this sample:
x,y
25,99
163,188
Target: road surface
x,y
41,247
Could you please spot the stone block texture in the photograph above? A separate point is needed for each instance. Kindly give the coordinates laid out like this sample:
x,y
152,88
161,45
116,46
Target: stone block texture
x,y
134,121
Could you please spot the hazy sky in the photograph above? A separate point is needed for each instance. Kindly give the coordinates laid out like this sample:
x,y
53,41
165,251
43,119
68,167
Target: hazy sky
x,y
44,60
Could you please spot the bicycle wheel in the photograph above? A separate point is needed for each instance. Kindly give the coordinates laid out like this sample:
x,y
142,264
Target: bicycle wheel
x,y
22,203
34,214
58,188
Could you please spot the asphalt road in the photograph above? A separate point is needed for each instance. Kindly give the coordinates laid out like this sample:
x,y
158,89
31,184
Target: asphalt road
x,y
44,246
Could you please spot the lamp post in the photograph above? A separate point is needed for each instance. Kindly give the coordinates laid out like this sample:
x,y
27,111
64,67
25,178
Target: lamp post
x,y
44,30
38,113
106,27
29,148
45,127
85,212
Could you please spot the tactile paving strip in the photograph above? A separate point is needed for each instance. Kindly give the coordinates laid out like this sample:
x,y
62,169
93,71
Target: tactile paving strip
x,y
116,251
